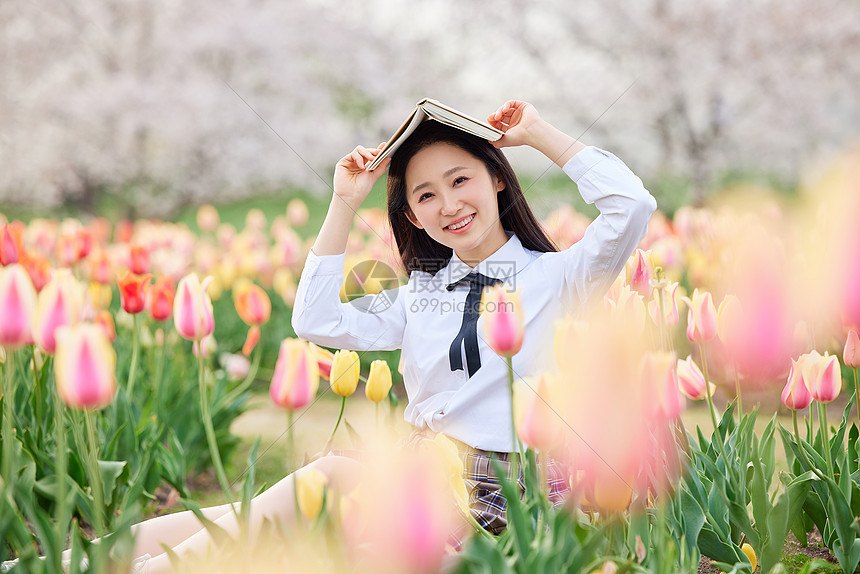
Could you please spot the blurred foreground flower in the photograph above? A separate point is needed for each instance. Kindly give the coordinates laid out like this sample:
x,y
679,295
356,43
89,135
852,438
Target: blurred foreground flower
x,y
701,318
311,487
538,425
85,366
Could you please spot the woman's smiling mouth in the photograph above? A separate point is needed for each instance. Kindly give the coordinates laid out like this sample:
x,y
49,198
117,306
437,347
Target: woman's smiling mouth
x,y
461,225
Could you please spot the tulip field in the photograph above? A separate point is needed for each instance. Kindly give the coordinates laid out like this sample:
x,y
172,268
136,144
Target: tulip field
x,y
704,410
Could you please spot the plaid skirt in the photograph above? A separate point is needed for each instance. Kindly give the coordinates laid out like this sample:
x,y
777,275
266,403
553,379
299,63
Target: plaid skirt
x,y
486,501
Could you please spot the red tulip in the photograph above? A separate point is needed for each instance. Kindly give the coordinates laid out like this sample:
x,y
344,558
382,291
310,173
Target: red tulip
x,y
132,290
139,259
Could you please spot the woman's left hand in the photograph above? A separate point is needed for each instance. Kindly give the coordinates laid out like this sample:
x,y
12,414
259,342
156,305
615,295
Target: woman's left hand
x,y
516,119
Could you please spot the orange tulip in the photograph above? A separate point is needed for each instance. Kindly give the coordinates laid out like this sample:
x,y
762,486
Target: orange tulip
x,y
160,298
10,245
296,378
132,290
503,320
702,317
192,308
60,303
38,267
17,306
252,304
85,367
251,340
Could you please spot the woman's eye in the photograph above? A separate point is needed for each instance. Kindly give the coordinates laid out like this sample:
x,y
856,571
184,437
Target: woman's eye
x,y
460,179
420,199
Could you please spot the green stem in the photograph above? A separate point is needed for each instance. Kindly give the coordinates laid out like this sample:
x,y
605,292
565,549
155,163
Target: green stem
x,y
8,385
519,451
95,478
822,420
210,431
856,393
664,335
37,390
339,416
60,460
134,351
291,441
159,376
717,435
800,447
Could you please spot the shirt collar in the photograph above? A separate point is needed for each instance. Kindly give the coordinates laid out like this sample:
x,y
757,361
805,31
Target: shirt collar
x,y
507,261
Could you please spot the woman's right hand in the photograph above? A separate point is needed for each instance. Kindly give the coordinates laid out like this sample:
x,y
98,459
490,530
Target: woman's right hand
x,y
352,183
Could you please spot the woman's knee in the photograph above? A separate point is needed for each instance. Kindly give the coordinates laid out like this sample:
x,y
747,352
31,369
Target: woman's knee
x,y
342,472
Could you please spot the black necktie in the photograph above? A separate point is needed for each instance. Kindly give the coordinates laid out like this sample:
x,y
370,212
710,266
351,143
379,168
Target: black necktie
x,y
469,329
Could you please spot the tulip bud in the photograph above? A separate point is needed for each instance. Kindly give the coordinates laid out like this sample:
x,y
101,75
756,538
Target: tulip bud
x,y
85,367
310,491
345,370
132,290
192,309
251,340
17,306
252,304
538,425
296,378
60,303
378,381
795,395
503,320
701,318
691,379
639,271
161,296
851,354
822,376
236,366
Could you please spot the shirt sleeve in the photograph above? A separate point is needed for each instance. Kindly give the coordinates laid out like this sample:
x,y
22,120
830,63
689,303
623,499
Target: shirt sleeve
x,y
369,323
593,262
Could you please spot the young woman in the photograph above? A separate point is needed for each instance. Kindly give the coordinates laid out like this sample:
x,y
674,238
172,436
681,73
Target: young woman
x,y
461,221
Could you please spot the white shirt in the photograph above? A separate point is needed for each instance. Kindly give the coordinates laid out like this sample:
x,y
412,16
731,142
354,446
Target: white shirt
x,y
422,317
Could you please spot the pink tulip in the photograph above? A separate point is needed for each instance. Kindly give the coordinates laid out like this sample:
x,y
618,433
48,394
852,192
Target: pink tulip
x,y
296,378
701,318
538,425
639,271
822,376
192,308
17,306
60,303
691,379
85,366
660,384
795,394
503,320
851,354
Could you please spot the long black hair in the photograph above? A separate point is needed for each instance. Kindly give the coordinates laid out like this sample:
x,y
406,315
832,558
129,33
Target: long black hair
x,y
418,251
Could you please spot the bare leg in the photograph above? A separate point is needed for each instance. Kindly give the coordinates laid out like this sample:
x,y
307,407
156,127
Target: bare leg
x,y
275,503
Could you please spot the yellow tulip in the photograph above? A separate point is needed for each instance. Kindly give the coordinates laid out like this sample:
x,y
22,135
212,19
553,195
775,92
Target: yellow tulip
x,y
310,491
378,381
345,369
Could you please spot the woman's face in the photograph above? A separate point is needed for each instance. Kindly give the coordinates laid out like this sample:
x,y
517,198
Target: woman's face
x,y
445,186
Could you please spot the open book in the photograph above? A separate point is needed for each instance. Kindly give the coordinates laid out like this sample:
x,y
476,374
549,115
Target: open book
x,y
431,109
